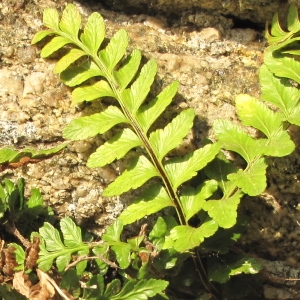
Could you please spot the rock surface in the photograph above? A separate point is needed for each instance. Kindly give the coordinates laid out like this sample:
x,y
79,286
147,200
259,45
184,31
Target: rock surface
x,y
213,61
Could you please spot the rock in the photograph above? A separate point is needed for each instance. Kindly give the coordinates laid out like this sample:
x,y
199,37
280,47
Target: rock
x,y
33,83
10,83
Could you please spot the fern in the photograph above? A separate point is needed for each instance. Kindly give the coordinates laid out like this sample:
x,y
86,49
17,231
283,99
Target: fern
x,y
111,72
122,78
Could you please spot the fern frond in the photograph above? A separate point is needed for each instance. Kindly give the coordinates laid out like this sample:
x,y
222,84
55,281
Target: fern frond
x,y
280,92
283,66
121,77
276,35
54,248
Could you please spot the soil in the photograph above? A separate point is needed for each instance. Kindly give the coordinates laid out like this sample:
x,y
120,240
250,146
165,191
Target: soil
x,y
214,60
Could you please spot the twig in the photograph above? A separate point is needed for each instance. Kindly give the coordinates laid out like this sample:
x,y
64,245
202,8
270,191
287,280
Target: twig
x,y
86,257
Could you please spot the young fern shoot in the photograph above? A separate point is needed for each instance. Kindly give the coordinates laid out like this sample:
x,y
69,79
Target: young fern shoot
x,y
121,80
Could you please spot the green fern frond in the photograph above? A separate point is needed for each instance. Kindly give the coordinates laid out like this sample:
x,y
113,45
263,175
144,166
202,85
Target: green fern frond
x,y
120,76
277,36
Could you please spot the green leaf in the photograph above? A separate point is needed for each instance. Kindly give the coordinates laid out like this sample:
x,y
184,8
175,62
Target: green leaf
x,y
51,18
55,44
91,92
113,232
52,237
115,148
7,292
19,254
218,170
115,50
122,251
148,113
256,114
70,282
41,35
70,21
164,140
75,75
35,199
62,261
67,60
221,268
280,92
141,290
279,145
128,69
153,200
47,152
141,87
7,155
52,247
224,211
283,66
71,232
184,237
293,19
101,251
235,139
81,266
89,126
93,33
192,200
95,288
112,288
140,171
252,180
180,170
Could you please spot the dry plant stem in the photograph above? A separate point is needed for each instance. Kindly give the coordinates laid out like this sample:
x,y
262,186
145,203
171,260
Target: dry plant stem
x,y
86,257
53,283
203,276
11,228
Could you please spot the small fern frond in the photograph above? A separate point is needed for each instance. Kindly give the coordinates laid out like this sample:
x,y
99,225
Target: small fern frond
x,y
53,248
280,92
276,35
283,66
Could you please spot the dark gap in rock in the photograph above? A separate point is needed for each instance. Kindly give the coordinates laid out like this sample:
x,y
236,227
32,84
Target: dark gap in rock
x,y
245,23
